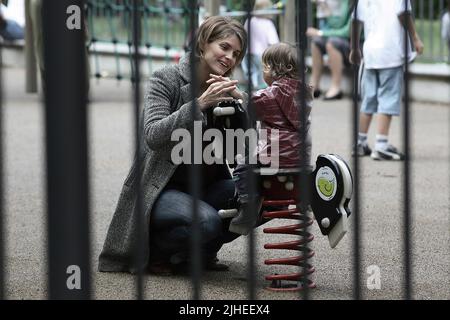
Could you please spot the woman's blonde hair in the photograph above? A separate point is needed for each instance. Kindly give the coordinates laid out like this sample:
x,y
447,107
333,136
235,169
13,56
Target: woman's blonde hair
x,y
216,28
282,60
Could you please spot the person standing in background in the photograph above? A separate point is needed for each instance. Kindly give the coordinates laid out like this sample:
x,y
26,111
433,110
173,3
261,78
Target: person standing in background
x,y
263,35
12,20
384,60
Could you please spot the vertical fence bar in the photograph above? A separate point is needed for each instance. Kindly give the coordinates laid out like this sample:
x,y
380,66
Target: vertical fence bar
x,y
2,211
302,21
406,170
251,172
140,221
195,173
356,199
66,142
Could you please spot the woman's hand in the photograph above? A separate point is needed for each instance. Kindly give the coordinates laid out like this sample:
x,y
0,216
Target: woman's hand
x,y
355,56
236,94
313,32
418,44
217,91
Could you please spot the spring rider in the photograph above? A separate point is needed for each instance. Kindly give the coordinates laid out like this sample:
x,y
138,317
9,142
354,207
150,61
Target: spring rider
x,y
330,183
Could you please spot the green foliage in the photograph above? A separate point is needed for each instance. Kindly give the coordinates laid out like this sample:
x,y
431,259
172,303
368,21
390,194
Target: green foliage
x,y
239,5
429,8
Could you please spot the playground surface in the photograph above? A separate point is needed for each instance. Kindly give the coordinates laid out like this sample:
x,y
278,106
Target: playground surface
x,y
111,147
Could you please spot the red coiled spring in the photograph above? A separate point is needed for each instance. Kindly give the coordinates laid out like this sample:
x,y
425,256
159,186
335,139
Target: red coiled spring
x,y
291,281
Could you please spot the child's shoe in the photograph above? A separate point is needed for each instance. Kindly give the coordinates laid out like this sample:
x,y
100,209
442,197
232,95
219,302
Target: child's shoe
x,y
390,153
245,221
362,150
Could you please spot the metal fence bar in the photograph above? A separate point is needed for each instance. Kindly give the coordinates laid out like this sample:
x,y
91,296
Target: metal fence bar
x,y
66,144
251,172
140,221
406,173
305,190
356,194
195,172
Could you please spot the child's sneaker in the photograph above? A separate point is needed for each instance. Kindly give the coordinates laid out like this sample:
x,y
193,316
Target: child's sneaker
x,y
390,153
362,150
245,221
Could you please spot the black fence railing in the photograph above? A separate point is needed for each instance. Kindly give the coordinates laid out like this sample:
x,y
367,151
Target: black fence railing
x,y
67,173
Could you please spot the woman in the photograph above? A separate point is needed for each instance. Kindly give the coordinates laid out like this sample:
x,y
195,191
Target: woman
x,y
333,39
220,46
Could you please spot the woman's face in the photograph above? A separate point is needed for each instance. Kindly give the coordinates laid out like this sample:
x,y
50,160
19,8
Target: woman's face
x,y
220,56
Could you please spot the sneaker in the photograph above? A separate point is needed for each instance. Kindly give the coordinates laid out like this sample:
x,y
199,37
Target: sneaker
x,y
390,153
362,150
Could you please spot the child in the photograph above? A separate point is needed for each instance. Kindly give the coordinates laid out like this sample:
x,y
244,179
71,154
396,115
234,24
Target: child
x,y
384,58
277,107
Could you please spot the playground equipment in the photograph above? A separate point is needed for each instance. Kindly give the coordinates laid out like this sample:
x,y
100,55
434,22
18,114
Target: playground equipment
x,y
330,186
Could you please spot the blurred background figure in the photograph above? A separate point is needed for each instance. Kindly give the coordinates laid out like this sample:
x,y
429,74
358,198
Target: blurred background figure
x,y
12,20
445,32
322,12
263,34
332,38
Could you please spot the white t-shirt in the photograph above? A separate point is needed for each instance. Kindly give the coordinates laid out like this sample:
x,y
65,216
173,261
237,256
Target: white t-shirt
x,y
263,34
384,45
14,11
445,32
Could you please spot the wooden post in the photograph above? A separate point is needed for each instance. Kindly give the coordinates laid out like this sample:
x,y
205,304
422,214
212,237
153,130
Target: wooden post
x,y
288,29
212,7
30,58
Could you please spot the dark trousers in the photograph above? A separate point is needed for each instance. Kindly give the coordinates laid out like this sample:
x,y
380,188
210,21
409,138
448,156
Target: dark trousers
x,y
171,221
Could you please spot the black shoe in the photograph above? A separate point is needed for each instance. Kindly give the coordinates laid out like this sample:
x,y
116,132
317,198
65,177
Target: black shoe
x,y
362,150
184,267
214,265
337,96
160,268
317,93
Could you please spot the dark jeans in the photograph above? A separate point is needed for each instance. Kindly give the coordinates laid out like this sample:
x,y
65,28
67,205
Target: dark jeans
x,y
171,220
240,177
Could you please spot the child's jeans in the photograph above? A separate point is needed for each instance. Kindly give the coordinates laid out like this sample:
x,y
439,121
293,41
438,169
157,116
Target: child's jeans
x,y
240,178
12,31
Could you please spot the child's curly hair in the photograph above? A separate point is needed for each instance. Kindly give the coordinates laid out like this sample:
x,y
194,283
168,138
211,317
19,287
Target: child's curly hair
x,y
282,60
